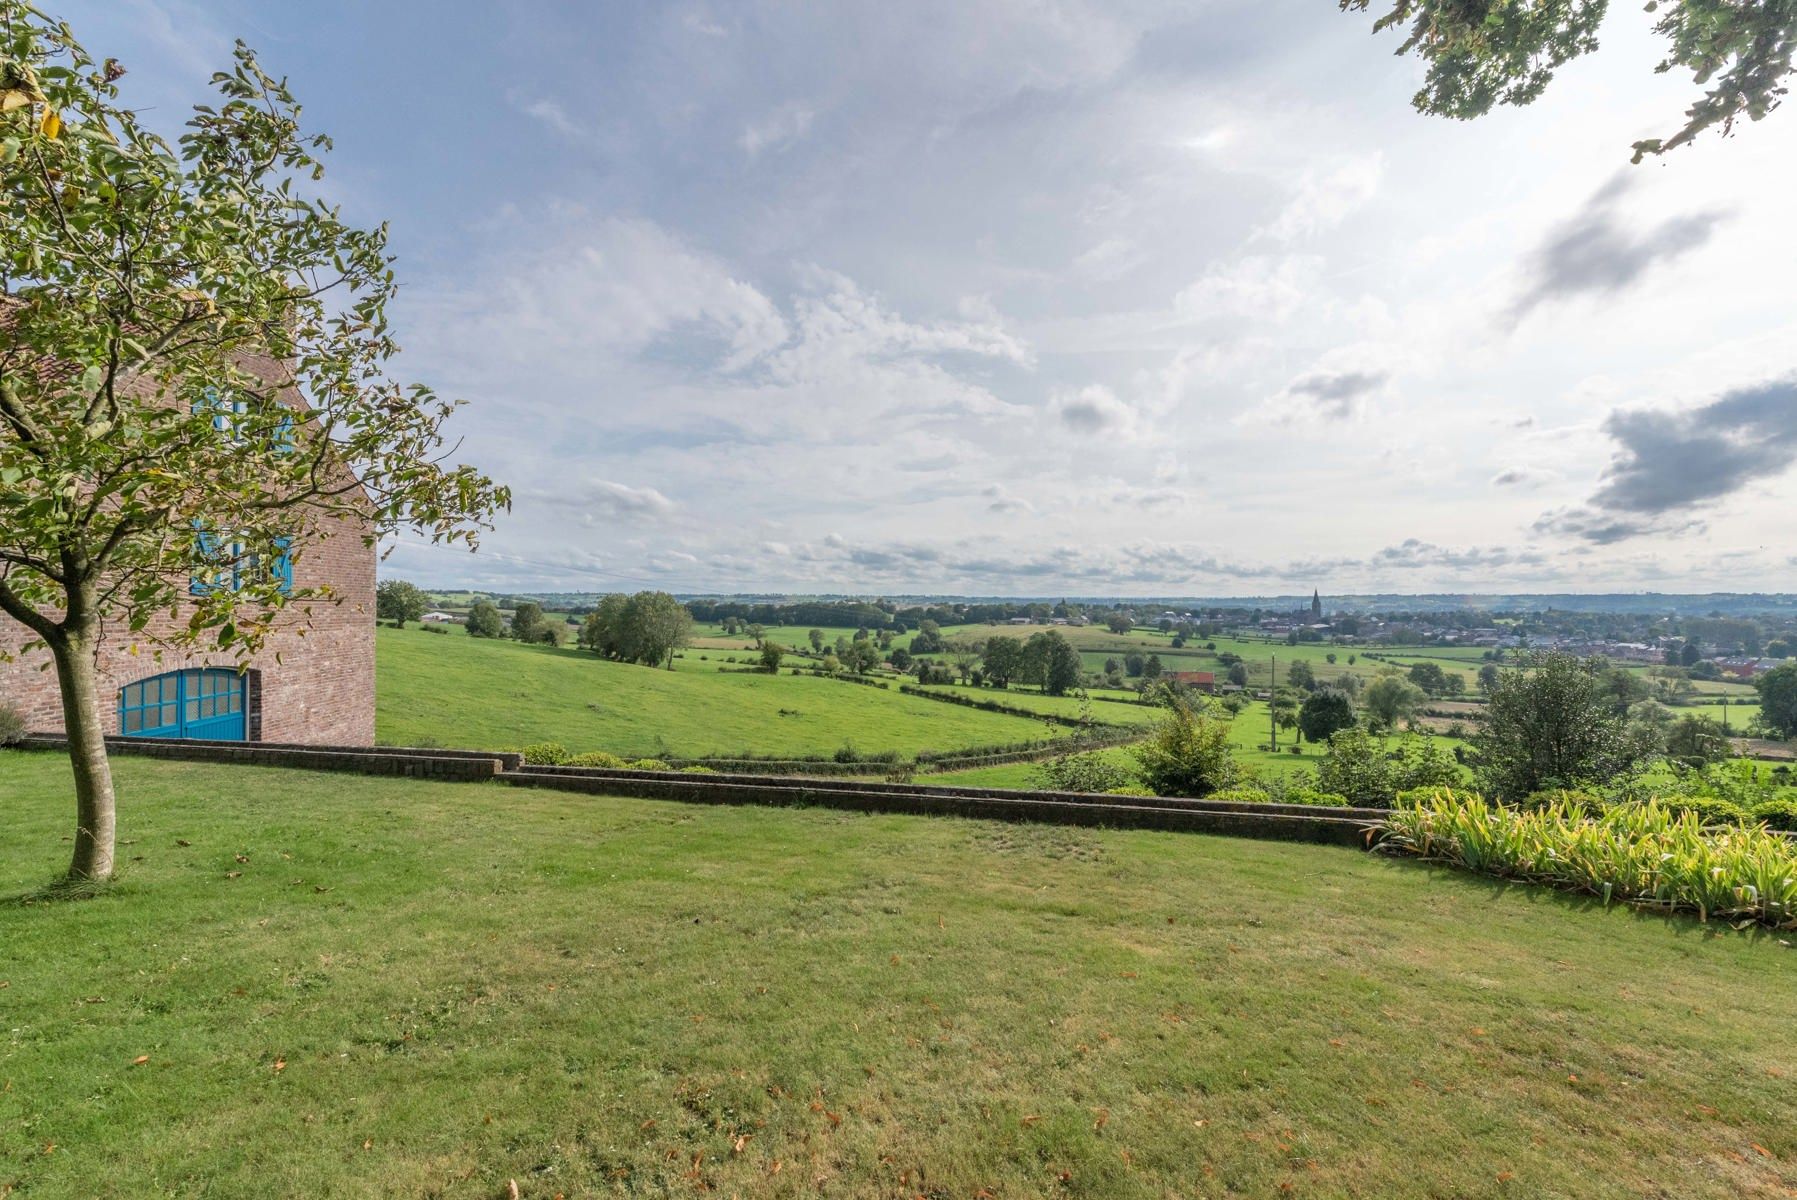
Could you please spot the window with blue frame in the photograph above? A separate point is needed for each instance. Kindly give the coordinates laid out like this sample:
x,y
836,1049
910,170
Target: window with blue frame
x,y
236,566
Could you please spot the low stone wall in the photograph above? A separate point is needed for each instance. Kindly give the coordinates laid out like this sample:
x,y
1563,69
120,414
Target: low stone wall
x,y
1284,822
452,766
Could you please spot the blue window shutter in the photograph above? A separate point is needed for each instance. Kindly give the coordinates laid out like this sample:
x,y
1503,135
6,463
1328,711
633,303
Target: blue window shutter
x,y
207,546
284,436
283,568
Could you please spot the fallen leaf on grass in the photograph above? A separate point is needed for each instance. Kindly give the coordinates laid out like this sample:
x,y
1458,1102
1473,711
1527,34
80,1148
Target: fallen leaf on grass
x,y
1763,1152
1104,1118
233,874
182,842
280,1065
1505,1176
1032,1119
243,858
511,1189
140,1060
736,1147
835,1118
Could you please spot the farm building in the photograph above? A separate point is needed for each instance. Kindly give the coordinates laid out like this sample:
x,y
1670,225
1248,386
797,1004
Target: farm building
x,y
315,688
1198,681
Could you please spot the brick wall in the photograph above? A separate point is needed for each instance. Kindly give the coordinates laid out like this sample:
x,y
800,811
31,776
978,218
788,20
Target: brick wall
x,y
314,679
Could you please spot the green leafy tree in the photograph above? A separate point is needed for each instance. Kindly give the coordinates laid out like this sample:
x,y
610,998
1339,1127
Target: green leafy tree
x,y
602,631
1188,754
1552,726
1391,698
771,654
1152,669
654,625
1778,700
1118,623
860,656
1489,674
1695,740
1002,657
1325,712
1484,53
484,620
139,283
398,601
1429,677
1302,675
527,620
1238,674
1060,664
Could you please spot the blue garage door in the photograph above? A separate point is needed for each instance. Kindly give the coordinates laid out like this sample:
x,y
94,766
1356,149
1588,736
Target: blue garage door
x,y
185,704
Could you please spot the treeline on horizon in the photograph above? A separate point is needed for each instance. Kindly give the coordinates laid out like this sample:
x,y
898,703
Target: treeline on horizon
x,y
1716,627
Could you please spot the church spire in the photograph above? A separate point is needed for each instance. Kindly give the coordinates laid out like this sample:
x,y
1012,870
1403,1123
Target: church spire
x,y
1316,604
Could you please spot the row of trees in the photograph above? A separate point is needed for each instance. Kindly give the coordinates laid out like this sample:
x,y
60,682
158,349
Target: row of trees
x,y
645,628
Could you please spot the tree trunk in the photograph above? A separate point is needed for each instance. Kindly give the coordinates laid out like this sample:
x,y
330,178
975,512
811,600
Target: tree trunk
x,y
95,807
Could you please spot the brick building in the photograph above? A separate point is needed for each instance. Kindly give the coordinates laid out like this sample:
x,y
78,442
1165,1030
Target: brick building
x,y
317,688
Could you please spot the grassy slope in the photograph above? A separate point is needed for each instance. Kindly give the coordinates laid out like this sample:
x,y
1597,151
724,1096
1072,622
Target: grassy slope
x,y
458,691
469,985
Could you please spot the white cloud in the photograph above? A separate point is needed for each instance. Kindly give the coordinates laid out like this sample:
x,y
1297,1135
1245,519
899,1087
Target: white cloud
x,y
781,128
1323,201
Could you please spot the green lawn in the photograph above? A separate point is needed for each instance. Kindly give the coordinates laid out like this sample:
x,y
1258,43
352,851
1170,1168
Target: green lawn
x,y
421,989
450,690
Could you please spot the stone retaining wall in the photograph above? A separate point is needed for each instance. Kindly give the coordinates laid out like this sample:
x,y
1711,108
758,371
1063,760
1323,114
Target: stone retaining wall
x,y
453,766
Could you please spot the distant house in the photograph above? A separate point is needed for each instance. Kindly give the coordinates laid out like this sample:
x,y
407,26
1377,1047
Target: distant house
x,y
1198,681
440,618
1746,668
1021,621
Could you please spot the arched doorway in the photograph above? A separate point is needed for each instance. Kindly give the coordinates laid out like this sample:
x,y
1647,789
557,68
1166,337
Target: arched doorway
x,y
207,703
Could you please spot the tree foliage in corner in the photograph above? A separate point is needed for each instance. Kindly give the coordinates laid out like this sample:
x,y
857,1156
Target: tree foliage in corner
x,y
149,479
1487,52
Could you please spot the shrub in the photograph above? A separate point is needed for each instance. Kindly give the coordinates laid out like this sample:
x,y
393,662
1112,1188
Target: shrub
x,y
1187,754
1242,793
1090,772
546,754
1709,810
650,764
12,726
698,769
1129,789
596,758
846,753
1644,853
1779,813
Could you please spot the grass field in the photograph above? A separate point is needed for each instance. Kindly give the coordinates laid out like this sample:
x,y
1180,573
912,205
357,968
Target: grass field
x,y
310,985
451,690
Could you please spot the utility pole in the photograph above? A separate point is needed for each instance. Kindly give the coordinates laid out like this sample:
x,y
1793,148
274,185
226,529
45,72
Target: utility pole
x,y
1273,690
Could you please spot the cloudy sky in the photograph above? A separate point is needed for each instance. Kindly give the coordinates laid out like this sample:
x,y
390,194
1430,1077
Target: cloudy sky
x,y
1049,296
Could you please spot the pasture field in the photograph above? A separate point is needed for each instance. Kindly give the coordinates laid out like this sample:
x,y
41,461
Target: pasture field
x,y
1109,712
328,985
470,692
